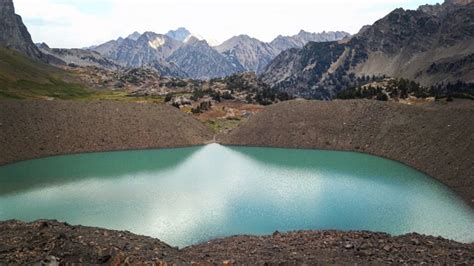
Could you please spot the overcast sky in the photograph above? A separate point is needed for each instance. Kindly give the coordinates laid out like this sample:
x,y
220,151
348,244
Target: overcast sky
x,y
81,23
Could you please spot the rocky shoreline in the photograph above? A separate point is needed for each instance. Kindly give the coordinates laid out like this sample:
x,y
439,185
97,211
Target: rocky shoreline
x,y
56,242
435,138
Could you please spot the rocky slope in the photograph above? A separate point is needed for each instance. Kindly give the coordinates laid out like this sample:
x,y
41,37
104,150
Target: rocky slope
x,y
430,45
31,129
435,138
201,61
149,50
250,53
79,57
282,43
52,242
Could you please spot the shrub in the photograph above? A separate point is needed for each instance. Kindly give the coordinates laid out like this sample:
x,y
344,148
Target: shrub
x,y
168,97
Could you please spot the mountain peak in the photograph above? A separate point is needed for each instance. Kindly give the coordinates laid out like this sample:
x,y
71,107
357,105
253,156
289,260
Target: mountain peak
x,y
6,7
244,36
42,45
13,33
180,34
191,39
134,36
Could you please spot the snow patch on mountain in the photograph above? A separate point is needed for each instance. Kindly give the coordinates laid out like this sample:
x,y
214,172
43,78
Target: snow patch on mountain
x,y
156,43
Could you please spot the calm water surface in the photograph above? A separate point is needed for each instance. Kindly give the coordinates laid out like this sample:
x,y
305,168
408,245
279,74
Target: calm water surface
x,y
188,195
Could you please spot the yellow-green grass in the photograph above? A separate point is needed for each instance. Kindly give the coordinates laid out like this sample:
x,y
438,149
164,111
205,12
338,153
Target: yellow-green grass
x,y
122,96
223,124
22,77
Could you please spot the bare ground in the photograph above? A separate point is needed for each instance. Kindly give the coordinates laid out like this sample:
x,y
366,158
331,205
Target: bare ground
x,y
32,129
55,242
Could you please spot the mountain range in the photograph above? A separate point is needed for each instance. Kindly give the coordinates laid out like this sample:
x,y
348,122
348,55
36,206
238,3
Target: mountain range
x,y
431,45
182,54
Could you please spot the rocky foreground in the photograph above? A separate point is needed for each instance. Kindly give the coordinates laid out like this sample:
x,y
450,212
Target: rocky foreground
x,y
56,242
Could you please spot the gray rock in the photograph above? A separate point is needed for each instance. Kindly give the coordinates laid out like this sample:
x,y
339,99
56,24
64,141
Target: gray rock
x,y
148,50
282,43
247,52
14,34
200,61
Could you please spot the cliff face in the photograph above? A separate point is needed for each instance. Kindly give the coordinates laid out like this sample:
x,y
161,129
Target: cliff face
x,y
13,33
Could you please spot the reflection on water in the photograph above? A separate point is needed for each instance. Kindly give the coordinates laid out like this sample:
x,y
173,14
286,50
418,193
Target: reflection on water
x,y
188,195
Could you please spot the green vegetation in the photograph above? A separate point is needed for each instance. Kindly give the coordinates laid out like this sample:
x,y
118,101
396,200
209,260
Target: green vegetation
x,y
403,88
220,125
122,96
22,77
454,90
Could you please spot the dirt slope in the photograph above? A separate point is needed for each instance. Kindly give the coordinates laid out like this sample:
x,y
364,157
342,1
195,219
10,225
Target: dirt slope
x,y
436,138
32,129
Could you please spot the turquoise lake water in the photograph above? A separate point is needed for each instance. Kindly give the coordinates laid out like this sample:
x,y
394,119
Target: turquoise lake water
x,y
189,195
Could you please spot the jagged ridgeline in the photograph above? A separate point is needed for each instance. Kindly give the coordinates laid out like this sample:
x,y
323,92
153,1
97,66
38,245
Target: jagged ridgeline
x,y
182,54
432,45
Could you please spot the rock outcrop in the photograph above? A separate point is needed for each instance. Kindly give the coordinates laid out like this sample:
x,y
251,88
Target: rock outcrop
x,y
14,34
201,61
79,57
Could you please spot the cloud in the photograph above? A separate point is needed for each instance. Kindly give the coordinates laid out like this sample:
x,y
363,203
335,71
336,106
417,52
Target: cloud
x,y
68,23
